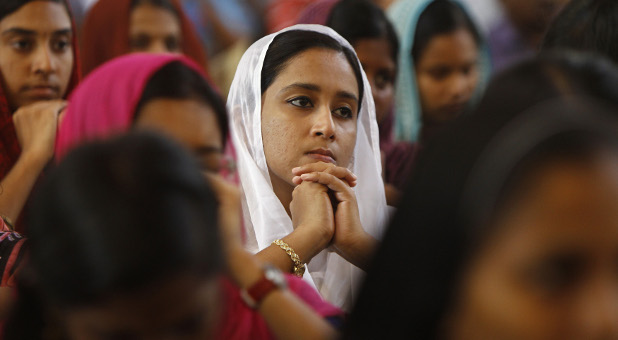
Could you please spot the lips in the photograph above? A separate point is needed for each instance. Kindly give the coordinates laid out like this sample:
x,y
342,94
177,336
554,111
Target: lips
x,y
42,91
323,155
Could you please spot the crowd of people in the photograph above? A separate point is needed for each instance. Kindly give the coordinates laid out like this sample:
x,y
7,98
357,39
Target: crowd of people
x,y
350,169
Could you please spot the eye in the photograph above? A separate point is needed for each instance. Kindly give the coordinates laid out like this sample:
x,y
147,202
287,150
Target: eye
x,y
555,276
383,79
22,45
61,45
301,102
439,73
344,112
172,44
139,43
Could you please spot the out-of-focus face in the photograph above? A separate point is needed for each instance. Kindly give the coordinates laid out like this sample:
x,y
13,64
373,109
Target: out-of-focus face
x,y
550,271
36,53
190,122
309,113
154,29
183,307
533,15
447,74
376,58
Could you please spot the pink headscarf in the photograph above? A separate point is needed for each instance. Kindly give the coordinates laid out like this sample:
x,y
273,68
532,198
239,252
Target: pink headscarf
x,y
104,103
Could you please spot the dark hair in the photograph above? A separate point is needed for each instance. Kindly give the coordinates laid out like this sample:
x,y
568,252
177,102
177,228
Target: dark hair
x,y
164,4
178,81
441,17
550,75
8,7
459,181
362,19
586,25
112,218
289,44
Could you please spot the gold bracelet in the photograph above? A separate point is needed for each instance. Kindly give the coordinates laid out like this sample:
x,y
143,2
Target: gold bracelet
x,y
299,267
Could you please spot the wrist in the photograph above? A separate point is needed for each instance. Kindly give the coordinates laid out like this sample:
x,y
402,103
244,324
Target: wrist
x,y
243,268
306,243
35,160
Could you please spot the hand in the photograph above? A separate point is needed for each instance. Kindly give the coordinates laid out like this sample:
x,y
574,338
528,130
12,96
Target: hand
x,y
313,217
36,126
350,239
230,224
337,171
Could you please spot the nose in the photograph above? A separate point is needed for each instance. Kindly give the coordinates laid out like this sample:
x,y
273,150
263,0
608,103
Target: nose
x,y
157,46
43,62
599,314
323,124
461,87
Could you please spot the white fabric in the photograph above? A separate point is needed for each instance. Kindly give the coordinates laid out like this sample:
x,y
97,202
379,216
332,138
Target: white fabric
x,y
264,216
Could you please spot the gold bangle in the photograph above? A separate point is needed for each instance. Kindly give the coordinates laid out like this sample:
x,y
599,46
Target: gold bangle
x,y
299,267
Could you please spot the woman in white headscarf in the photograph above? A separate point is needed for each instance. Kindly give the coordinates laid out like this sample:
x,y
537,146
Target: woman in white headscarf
x,y
303,120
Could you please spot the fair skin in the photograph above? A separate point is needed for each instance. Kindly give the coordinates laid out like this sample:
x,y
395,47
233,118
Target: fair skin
x,y
447,74
550,269
193,124
309,131
36,62
154,29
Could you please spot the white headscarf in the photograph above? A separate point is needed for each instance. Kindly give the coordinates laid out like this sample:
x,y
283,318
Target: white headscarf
x,y
264,216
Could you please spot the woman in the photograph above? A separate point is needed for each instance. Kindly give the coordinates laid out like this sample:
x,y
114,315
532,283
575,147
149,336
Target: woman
x,y
443,64
309,157
514,218
125,244
39,67
373,37
113,28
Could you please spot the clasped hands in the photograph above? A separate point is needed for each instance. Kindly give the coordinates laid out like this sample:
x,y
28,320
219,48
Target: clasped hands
x,y
324,204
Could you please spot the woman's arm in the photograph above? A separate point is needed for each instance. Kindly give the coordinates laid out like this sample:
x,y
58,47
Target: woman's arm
x,y
286,315
36,127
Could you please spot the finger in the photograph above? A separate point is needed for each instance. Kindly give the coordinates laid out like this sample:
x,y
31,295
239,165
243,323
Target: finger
x,y
342,190
337,171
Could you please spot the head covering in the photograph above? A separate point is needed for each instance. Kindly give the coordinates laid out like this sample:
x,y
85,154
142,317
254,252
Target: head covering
x,y
105,102
9,145
106,34
265,217
457,183
408,115
317,13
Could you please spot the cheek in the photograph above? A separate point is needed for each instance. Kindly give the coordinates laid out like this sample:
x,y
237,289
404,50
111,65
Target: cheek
x,y
346,143
429,91
66,68
279,139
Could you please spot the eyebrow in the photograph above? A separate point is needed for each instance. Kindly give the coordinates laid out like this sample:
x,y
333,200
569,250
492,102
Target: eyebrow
x,y
316,88
23,31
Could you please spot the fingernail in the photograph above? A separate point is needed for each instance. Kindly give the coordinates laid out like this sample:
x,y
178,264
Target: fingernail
x,y
295,169
304,176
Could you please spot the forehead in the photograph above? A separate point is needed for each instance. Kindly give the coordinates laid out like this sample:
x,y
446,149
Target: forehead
x,y
153,18
566,204
375,51
326,68
190,122
38,16
457,46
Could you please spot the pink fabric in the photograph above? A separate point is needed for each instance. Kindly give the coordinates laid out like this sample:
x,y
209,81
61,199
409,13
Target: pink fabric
x,y
243,323
104,103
